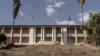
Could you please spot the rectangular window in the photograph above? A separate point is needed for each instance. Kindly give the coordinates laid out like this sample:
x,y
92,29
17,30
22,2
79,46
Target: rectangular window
x,y
16,39
58,30
48,30
48,38
7,30
25,31
79,31
16,30
38,39
38,30
25,39
58,39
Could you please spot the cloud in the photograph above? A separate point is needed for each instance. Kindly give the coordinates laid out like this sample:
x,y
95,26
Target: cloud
x,y
51,8
59,4
85,16
65,22
22,14
49,1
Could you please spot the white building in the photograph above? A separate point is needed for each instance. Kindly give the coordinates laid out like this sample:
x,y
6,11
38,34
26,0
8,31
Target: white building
x,y
45,34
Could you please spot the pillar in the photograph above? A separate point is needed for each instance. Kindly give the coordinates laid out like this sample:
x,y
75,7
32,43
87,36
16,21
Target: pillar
x,y
31,30
34,35
42,34
21,29
64,36
54,34
76,42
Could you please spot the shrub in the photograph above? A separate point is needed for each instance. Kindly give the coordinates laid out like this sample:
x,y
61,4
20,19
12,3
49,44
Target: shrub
x,y
3,37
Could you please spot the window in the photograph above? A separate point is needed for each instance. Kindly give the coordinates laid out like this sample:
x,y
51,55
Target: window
x,y
7,30
48,38
25,39
48,30
17,30
58,30
16,39
38,39
25,31
58,39
79,31
38,30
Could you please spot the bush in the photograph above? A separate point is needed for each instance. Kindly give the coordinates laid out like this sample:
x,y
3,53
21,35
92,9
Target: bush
x,y
3,37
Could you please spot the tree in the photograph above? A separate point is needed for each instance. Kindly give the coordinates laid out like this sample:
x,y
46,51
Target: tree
x,y
81,3
16,6
3,37
92,28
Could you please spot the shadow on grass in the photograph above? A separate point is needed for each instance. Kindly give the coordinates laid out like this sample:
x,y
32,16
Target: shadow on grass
x,y
8,47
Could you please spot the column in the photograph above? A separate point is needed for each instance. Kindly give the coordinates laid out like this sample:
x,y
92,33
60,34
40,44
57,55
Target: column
x,y
64,36
53,34
21,29
76,42
31,30
34,35
85,35
42,34
3,29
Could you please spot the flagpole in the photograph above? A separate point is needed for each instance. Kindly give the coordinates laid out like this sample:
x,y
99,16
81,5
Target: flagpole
x,y
69,29
28,23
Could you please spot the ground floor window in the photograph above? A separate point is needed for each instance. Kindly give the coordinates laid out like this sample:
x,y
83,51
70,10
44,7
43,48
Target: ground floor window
x,y
16,39
25,39
71,40
58,39
38,39
48,38
80,39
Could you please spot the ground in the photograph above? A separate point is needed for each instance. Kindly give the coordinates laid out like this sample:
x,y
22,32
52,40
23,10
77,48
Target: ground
x,y
50,50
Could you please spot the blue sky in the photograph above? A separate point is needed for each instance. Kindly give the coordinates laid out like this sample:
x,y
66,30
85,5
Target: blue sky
x,y
47,11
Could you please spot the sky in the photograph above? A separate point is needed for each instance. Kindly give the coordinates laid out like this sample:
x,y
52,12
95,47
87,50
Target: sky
x,y
47,12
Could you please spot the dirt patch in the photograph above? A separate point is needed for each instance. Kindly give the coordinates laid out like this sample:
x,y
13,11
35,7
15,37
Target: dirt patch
x,y
50,50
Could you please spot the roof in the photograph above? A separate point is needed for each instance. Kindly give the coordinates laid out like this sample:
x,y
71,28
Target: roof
x,y
41,25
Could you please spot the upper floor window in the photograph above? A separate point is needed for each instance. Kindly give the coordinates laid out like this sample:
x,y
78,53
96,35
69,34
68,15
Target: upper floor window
x,y
38,30
48,30
17,30
25,30
7,30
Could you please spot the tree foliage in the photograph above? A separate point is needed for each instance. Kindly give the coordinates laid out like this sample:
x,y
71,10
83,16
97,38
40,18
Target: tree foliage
x,y
81,2
16,6
93,28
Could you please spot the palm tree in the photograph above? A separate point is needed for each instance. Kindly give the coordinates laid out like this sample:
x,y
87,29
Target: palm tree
x,y
16,6
81,3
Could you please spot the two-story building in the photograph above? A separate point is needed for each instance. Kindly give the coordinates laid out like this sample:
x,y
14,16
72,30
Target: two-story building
x,y
45,34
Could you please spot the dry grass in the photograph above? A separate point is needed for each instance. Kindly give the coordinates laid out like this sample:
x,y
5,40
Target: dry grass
x,y
50,50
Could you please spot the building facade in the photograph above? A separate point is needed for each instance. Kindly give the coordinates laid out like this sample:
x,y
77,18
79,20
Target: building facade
x,y
45,34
